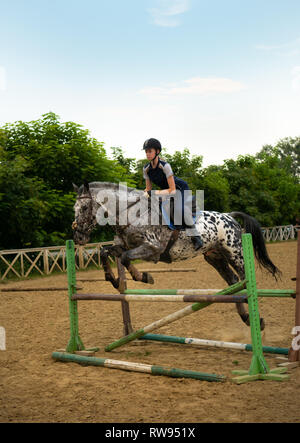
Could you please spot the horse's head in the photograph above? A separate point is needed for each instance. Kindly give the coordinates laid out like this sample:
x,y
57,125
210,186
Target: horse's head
x,y
85,219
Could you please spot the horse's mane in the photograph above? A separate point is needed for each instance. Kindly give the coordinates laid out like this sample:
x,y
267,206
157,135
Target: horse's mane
x,y
112,186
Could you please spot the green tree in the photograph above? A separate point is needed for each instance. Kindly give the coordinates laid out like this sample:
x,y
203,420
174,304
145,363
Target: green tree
x,y
288,152
138,174
186,166
60,153
24,206
39,161
262,188
129,164
216,189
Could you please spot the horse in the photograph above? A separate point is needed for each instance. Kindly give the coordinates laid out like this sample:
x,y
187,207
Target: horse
x,y
220,232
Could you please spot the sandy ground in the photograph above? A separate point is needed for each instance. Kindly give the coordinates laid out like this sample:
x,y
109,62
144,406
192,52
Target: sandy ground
x,y
35,388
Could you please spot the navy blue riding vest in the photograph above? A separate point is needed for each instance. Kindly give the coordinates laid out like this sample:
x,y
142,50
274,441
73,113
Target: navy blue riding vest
x,y
161,173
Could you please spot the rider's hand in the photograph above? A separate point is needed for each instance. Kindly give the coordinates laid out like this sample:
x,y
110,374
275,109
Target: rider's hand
x,y
167,192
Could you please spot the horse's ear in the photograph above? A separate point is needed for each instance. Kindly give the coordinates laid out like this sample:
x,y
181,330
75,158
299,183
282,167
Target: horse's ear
x,y
86,185
75,187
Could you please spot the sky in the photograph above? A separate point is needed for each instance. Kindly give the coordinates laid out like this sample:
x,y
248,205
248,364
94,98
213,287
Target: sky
x,y
219,77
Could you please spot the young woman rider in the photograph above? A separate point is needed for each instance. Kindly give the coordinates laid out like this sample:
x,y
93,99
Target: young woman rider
x,y
160,173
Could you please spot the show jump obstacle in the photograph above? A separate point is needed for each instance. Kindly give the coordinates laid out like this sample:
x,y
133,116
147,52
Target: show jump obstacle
x,y
200,299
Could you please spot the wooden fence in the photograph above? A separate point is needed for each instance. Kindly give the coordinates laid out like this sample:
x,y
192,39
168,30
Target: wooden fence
x,y
280,233
44,261
22,263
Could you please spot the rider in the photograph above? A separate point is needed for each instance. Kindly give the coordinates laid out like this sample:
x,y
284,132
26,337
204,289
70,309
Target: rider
x,y
160,173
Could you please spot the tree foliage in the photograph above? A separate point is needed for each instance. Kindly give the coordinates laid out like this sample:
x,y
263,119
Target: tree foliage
x,y
39,161
287,151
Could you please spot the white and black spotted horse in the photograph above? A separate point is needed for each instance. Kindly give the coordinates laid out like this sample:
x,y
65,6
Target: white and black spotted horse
x,y
220,232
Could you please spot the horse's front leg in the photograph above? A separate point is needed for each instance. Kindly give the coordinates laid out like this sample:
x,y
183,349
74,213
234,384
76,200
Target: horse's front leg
x,y
143,252
111,251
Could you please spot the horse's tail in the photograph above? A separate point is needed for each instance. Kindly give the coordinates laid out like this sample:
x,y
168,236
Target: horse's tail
x,y
252,227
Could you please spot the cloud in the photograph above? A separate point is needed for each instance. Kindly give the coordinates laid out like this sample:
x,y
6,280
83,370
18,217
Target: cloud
x,y
2,79
296,78
289,48
167,12
195,86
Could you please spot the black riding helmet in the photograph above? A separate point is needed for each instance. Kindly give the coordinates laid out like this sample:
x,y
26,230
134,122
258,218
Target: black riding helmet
x,y
152,143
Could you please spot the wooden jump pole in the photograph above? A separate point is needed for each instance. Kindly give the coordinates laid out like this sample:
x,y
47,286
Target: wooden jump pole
x,y
172,317
36,289
284,293
211,343
163,298
136,367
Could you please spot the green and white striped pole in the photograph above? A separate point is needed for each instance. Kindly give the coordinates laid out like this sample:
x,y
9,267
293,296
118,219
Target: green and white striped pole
x,y
282,293
136,367
212,343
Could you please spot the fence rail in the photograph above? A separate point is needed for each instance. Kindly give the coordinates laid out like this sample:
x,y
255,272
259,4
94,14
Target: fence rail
x,y
280,233
22,263
44,261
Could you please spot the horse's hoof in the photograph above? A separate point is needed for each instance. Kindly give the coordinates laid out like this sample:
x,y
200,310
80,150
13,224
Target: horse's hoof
x,y
114,281
147,278
246,319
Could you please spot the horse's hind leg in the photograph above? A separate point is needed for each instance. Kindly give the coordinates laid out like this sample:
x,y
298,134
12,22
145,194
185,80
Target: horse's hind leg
x,y
220,264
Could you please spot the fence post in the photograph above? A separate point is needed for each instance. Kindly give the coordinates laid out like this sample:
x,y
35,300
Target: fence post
x,y
80,257
46,262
